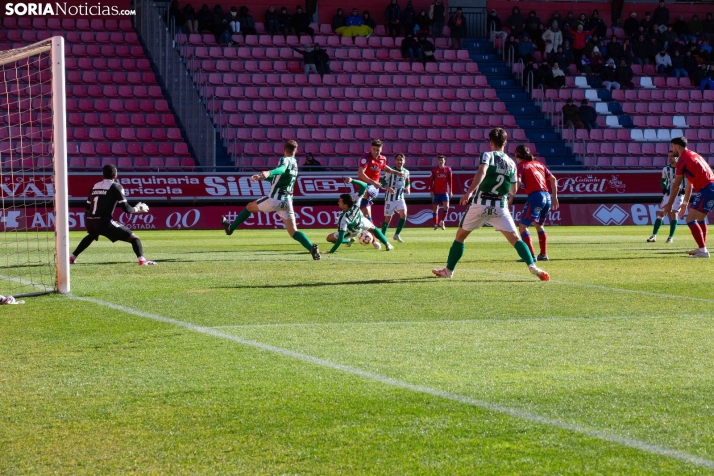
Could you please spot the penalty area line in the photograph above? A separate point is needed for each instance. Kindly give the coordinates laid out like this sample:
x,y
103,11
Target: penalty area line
x,y
643,446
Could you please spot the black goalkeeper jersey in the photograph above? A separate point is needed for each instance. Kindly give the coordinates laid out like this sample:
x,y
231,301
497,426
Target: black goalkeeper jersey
x,y
103,199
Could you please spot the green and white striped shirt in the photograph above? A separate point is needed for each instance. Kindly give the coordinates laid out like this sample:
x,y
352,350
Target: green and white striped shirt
x,y
500,174
668,174
399,184
283,178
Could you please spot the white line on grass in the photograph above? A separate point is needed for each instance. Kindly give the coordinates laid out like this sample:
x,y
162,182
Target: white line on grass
x,y
553,281
514,412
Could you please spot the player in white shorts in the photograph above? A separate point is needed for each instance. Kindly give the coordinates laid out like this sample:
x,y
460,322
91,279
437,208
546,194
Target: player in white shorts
x,y
394,201
668,174
494,182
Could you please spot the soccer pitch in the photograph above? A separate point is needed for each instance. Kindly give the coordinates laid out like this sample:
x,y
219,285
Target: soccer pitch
x,y
242,355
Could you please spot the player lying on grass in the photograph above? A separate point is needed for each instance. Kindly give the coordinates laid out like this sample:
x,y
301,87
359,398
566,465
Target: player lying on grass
x,y
351,222
494,183
279,200
534,177
102,201
394,201
667,180
701,181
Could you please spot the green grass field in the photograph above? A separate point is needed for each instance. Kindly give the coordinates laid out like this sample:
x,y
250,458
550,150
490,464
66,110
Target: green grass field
x,y
241,355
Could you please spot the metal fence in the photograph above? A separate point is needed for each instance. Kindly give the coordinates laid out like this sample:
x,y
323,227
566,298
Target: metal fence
x,y
475,20
192,114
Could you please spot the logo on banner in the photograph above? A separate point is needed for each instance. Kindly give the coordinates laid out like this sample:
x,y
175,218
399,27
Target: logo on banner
x,y
136,221
609,215
420,217
180,220
9,218
310,185
617,184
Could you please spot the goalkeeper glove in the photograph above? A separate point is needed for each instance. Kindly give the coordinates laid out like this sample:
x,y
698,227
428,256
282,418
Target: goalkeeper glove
x,y
141,208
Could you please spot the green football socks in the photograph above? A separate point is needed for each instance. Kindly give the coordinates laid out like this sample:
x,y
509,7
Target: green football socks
x,y
400,225
300,237
380,236
455,254
242,216
672,228
385,227
657,224
524,252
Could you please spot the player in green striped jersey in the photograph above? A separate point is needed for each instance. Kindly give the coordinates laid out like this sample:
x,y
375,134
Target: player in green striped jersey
x,y
666,182
351,221
394,201
279,199
494,183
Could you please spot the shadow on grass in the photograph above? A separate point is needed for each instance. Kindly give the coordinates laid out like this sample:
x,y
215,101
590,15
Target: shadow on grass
x,y
367,282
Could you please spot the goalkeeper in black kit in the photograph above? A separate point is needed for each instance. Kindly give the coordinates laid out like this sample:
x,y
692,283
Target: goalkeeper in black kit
x,y
102,201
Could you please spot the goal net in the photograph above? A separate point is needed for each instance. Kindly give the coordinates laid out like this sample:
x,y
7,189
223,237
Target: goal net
x,y
34,229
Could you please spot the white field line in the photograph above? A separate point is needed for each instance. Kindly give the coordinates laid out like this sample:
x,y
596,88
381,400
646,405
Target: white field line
x,y
493,407
454,321
526,274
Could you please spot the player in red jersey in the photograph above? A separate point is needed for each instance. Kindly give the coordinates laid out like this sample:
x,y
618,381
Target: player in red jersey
x,y
370,169
534,177
441,191
701,181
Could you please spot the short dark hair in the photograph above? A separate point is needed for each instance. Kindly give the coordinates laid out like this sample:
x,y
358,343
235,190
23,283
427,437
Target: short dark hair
x,y
399,155
291,146
347,199
440,156
109,171
498,136
376,143
681,141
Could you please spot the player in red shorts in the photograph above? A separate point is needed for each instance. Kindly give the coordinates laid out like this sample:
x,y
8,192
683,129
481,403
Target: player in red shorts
x,y
534,177
441,191
370,169
701,180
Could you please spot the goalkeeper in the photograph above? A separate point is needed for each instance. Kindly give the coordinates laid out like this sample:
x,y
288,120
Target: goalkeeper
x,y
351,222
102,201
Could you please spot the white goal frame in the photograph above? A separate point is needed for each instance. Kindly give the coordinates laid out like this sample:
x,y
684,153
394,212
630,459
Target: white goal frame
x,y
55,46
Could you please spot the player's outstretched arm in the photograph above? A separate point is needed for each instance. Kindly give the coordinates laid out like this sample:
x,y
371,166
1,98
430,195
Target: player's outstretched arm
x,y
554,187
390,170
363,177
338,242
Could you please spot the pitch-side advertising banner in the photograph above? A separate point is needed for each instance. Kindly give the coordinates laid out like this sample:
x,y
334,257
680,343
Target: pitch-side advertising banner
x,y
209,218
224,186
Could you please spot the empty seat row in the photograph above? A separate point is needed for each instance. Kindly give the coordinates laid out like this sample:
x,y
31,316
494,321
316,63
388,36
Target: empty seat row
x,y
132,148
332,41
51,23
629,162
26,163
659,95
344,80
106,77
17,149
118,105
661,121
73,37
624,135
637,148
366,120
112,91
25,90
104,51
124,134
407,105
660,82
125,164
91,119
26,118
111,64
365,134
29,133
340,93
672,106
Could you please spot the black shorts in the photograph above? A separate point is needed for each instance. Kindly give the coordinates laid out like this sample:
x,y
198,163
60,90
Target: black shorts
x,y
113,230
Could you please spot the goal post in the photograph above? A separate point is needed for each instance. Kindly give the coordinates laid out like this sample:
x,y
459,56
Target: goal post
x,y
34,208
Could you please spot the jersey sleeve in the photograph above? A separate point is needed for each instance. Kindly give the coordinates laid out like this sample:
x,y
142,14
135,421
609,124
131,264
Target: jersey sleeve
x,y
280,169
118,195
361,186
484,159
338,242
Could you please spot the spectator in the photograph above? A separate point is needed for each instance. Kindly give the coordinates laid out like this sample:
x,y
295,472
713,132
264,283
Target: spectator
x,y
368,21
579,37
614,48
678,66
457,25
308,56
528,69
515,22
393,15
584,66
224,33
411,49
558,19
558,76
533,24
311,164
354,26
437,14
567,54
708,81
669,36
286,27
591,44
608,76
322,60
682,29
571,115
582,19
247,23
511,43
708,25
698,75
544,76
272,20
205,19
631,25
624,75
177,15
596,61
626,52
300,22
653,48
526,48
338,21
705,50
218,15
647,23
409,18
690,63
423,24
596,24
494,25
696,26
588,116
428,48
190,19
556,57
553,37
661,15
572,22
640,48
